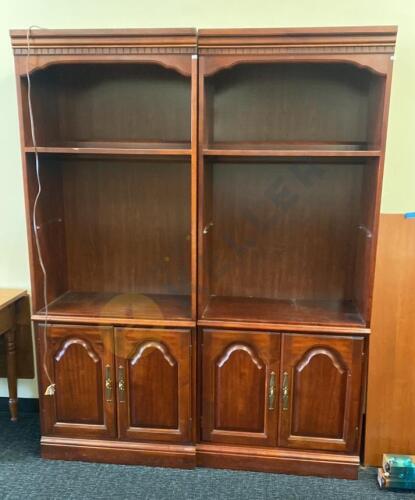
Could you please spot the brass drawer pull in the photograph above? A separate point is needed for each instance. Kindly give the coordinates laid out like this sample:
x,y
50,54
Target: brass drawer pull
x,y
108,384
121,384
285,393
271,391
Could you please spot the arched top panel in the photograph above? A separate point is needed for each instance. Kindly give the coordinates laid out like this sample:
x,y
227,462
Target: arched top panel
x,y
377,65
234,348
371,47
162,348
79,342
170,47
180,65
334,357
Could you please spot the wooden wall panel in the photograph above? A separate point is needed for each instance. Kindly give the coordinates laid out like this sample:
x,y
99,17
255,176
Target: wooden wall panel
x,y
249,103
390,420
280,225
144,206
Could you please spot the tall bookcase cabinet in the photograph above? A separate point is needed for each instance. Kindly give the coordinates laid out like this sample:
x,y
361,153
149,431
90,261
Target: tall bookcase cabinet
x,y
208,223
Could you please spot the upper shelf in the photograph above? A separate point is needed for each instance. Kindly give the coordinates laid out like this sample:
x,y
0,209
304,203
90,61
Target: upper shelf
x,y
318,109
291,149
116,148
110,107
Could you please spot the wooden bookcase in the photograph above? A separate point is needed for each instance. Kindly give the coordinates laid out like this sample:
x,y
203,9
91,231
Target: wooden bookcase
x,y
115,132
208,222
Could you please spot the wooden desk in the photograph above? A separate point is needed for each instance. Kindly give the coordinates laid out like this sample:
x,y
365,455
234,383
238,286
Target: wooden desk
x,y
8,299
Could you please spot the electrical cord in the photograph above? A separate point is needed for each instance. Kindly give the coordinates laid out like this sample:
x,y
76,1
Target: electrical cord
x,y
50,390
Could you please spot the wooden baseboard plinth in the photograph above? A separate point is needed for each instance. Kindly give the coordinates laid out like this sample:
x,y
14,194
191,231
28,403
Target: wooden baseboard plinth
x,y
202,455
277,460
118,452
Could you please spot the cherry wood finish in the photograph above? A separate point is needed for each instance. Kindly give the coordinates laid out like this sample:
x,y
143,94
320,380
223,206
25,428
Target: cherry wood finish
x,y
287,150
124,306
119,452
284,327
276,109
155,99
23,337
121,149
8,325
390,412
316,93
154,384
240,380
80,360
92,198
301,220
125,95
283,461
333,312
365,47
322,377
318,99
170,48
228,180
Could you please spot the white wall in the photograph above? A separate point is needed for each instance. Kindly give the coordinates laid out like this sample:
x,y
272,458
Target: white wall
x,y
399,186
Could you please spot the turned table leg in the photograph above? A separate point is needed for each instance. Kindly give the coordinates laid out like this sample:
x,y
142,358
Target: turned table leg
x,y
12,372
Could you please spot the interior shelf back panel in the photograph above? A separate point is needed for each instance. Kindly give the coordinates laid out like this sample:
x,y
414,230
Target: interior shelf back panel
x,y
285,103
110,103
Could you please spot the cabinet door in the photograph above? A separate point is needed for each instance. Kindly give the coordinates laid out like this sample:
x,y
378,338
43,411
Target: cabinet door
x,y
80,362
240,381
321,379
154,387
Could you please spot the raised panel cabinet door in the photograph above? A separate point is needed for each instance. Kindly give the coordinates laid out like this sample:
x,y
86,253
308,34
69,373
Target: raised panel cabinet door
x,y
80,362
320,394
240,372
153,384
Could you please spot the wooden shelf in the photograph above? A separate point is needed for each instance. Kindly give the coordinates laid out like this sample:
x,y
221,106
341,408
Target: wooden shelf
x,y
297,149
116,148
120,307
310,312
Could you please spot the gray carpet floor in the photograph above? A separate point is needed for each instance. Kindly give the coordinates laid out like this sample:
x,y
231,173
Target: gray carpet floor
x,y
24,475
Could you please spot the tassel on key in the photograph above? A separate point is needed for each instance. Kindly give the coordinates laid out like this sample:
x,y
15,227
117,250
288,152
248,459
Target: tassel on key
x,y
50,391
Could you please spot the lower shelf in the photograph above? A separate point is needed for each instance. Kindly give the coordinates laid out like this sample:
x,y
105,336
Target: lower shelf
x,y
121,305
202,455
313,312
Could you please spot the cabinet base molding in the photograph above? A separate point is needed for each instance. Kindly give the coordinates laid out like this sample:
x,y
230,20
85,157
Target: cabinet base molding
x,y
276,460
202,455
118,452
